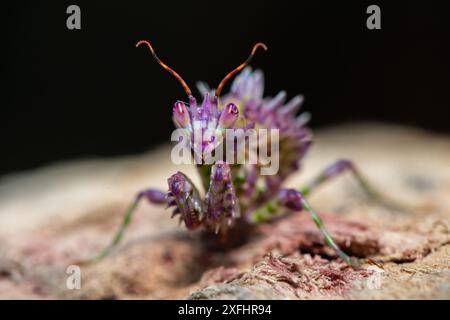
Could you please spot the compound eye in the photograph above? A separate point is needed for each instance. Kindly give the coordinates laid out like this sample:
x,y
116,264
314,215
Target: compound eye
x,y
181,115
229,116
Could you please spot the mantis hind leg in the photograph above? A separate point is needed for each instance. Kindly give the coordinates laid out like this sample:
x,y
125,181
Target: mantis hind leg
x,y
294,200
341,166
153,196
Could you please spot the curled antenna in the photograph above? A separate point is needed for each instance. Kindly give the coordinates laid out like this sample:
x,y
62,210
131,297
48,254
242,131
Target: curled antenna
x,y
240,67
176,75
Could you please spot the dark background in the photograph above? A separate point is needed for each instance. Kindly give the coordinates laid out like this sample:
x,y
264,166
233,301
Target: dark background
x,y
90,92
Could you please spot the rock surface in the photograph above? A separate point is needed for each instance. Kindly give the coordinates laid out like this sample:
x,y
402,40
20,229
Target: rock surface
x,y
56,216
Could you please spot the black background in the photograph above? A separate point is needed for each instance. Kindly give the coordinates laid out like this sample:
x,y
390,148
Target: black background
x,y
90,92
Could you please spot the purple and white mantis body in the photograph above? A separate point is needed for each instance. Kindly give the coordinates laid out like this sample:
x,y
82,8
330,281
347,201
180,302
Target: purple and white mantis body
x,y
238,193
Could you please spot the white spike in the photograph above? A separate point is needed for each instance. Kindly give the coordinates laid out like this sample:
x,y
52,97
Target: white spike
x,y
303,119
203,87
293,105
241,80
258,84
277,101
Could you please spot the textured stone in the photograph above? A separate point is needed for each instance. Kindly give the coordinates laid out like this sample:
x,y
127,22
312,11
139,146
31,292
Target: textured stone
x,y
59,215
